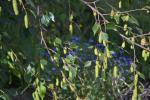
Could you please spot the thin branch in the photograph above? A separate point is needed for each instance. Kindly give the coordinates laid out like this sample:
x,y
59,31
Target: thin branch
x,y
95,10
129,11
126,38
141,35
92,1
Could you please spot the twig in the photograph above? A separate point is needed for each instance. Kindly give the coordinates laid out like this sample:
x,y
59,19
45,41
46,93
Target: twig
x,y
142,35
95,10
93,1
126,38
129,11
43,40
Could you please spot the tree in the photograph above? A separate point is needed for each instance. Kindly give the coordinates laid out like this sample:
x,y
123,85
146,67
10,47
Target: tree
x,y
74,49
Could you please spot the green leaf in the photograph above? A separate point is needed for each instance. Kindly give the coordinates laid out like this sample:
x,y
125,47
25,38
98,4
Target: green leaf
x,y
47,18
88,64
72,72
117,18
111,26
58,41
70,58
96,28
133,21
139,30
103,37
141,75
66,67
125,18
35,95
43,62
30,2
42,91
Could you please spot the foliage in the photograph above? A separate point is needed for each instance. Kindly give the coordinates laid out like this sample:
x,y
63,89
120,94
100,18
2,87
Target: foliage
x,y
74,49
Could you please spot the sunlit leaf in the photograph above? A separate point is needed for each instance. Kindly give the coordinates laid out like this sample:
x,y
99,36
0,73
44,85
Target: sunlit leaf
x,y
96,28
47,18
87,63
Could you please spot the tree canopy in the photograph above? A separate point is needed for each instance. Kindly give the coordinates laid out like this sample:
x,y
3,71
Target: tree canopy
x,y
74,49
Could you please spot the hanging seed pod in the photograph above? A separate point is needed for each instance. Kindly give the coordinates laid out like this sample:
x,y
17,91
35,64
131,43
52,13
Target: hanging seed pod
x,y
96,71
71,17
57,82
94,13
26,22
135,80
120,4
71,88
15,7
143,53
134,96
132,47
143,42
132,68
97,62
148,53
55,95
112,13
108,53
115,72
96,51
99,54
0,10
61,84
105,63
100,39
42,66
77,98
123,44
20,2
71,28
64,80
127,18
127,32
125,27
65,50
51,86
